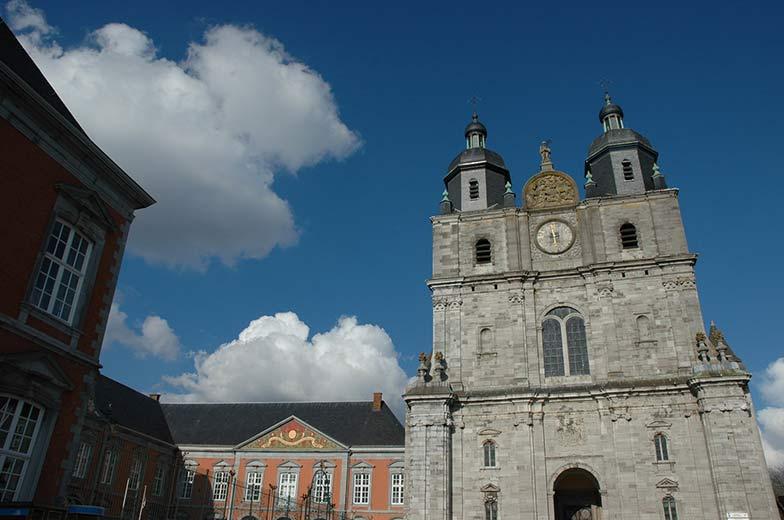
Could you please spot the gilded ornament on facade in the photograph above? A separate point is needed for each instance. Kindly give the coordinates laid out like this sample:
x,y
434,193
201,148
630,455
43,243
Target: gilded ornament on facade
x,y
293,436
550,189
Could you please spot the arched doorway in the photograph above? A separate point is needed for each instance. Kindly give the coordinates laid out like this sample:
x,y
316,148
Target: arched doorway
x,y
576,496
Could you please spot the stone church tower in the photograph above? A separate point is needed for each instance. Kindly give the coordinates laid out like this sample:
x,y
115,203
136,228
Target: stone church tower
x,y
571,375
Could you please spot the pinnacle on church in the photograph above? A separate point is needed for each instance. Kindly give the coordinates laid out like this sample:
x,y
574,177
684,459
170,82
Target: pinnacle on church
x,y
611,115
475,133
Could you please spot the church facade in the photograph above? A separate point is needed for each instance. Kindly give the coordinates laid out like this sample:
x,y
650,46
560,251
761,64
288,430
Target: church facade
x,y
571,375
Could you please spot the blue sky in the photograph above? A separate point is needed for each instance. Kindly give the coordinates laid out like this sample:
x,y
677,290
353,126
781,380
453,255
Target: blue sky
x,y
702,82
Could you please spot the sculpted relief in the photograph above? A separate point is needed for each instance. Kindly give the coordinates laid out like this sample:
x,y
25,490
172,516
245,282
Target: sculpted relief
x,y
550,189
293,436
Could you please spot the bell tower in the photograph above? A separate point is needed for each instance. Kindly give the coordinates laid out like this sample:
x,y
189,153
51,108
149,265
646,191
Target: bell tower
x,y
620,161
477,178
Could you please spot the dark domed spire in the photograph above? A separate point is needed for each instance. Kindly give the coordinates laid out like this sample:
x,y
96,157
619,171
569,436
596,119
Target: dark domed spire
x,y
611,115
475,133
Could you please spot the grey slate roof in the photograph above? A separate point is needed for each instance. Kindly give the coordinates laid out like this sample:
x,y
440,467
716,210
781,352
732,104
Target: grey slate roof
x,y
131,409
617,136
16,58
350,423
471,155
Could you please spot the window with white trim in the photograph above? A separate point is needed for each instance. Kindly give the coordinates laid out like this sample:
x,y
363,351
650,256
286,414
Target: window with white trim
x,y
322,487
186,483
135,473
83,457
287,488
253,481
59,280
488,449
220,486
361,494
19,425
158,480
662,451
109,465
397,489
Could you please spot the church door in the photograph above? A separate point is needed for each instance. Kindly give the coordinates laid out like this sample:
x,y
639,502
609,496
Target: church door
x,y
577,496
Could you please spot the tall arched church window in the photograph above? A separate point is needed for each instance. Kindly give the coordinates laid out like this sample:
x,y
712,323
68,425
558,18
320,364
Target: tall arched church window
x,y
628,172
564,338
483,251
670,511
629,236
491,509
662,450
489,452
473,189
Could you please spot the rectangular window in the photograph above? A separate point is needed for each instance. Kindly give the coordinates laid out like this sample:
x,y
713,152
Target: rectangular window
x,y
158,480
361,493
397,489
109,464
322,487
135,473
19,423
186,483
220,486
82,460
62,271
253,486
287,489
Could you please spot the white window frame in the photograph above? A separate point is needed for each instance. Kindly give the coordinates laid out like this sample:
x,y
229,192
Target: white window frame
x,y
287,481
220,485
135,473
63,267
254,480
360,494
109,466
158,480
397,496
9,445
322,486
187,477
83,457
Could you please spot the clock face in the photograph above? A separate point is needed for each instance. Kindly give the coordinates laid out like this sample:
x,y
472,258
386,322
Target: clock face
x,y
554,237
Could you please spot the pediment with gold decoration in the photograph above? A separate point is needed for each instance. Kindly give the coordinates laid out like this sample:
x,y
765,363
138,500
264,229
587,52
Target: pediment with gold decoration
x,y
292,434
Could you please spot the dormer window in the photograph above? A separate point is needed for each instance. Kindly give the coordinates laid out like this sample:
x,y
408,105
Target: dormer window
x,y
628,172
473,189
483,251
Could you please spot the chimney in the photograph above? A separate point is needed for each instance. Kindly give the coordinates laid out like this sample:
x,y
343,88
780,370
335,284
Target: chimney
x,y
155,397
377,401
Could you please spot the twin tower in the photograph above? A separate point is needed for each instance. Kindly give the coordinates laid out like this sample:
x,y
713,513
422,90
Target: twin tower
x,y
571,374
620,162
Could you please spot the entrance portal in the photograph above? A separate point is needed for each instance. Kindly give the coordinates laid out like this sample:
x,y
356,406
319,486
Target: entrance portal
x,y
577,496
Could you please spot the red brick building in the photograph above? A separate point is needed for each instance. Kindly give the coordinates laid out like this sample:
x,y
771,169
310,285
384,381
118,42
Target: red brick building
x,y
65,211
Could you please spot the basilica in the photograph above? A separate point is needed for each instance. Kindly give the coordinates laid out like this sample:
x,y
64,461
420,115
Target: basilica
x,y
571,375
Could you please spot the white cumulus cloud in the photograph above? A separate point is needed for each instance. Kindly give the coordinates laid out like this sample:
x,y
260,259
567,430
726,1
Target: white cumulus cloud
x,y
771,418
154,337
275,359
205,135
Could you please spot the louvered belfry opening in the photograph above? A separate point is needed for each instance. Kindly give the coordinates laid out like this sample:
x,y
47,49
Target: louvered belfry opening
x,y
629,236
483,251
473,189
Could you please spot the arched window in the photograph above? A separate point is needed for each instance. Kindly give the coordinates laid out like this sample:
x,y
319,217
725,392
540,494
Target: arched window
x,y
670,511
629,236
491,509
19,424
483,251
660,443
486,340
628,172
563,338
643,327
473,189
488,450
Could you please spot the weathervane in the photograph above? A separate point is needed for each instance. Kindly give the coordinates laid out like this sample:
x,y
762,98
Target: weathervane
x,y
474,100
605,84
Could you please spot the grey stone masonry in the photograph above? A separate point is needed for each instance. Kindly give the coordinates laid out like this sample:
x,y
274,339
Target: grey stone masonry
x,y
658,415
